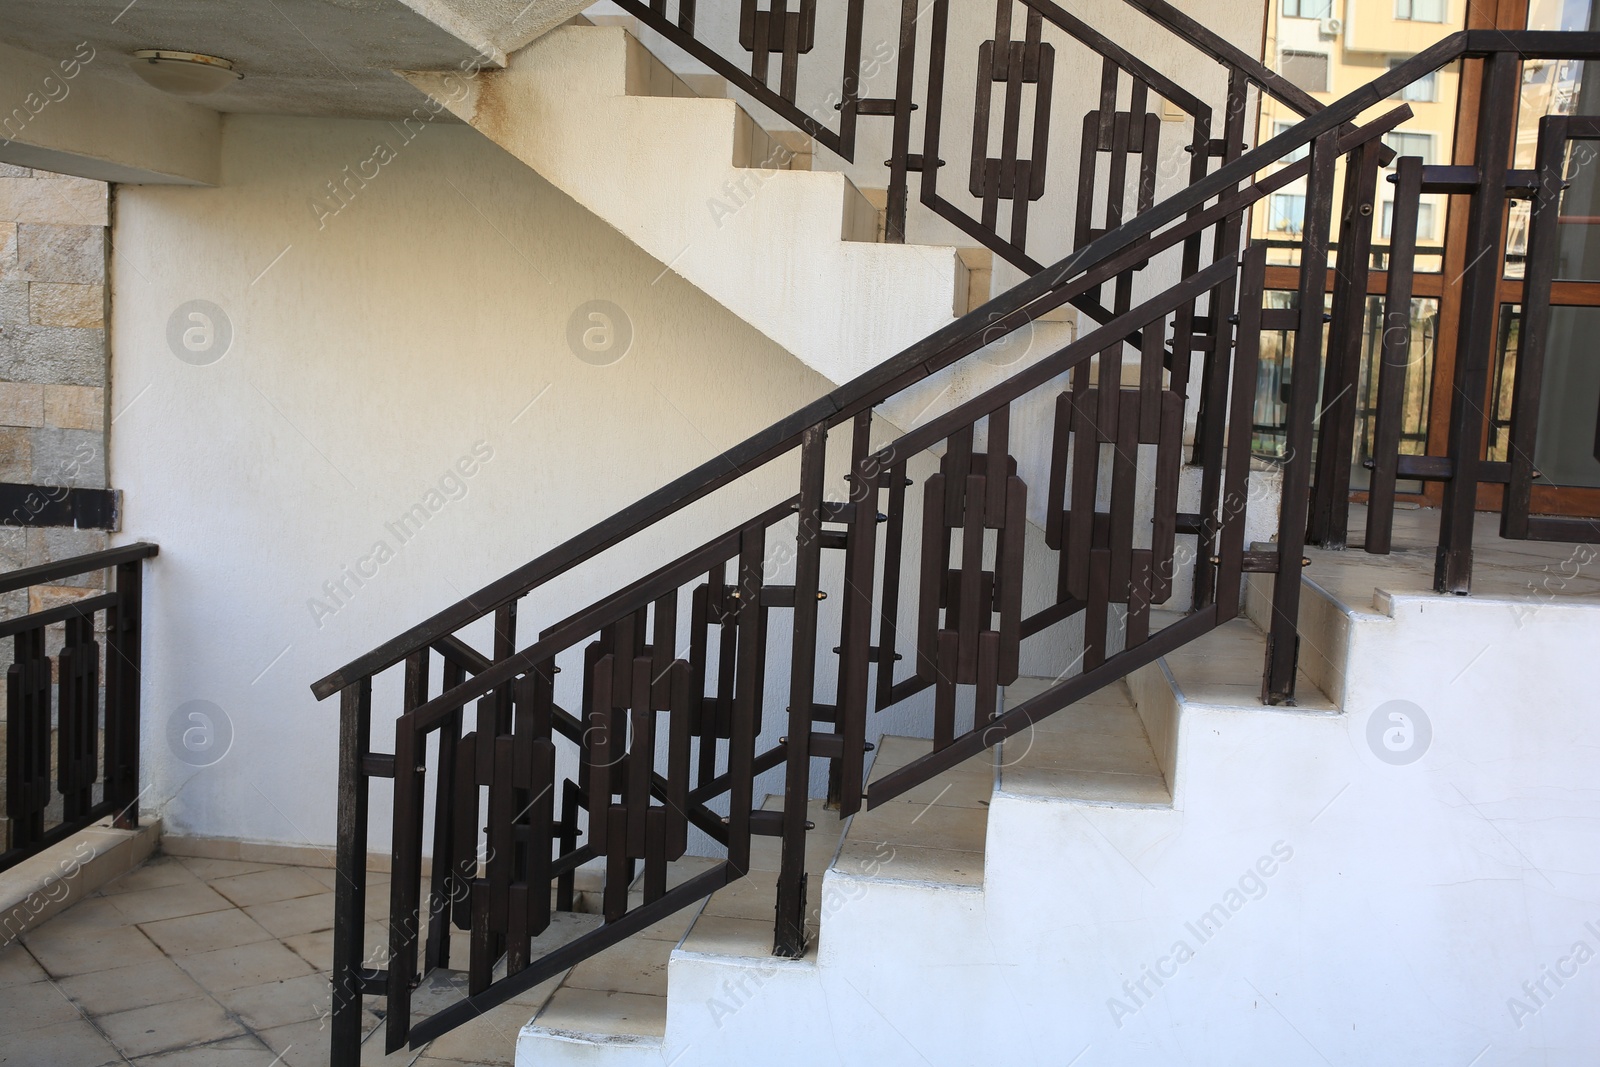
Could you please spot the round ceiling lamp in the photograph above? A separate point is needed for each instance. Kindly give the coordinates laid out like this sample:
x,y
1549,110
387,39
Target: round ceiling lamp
x,y
183,73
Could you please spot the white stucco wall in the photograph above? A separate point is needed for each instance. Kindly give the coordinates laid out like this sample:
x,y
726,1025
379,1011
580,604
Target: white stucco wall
x,y
376,344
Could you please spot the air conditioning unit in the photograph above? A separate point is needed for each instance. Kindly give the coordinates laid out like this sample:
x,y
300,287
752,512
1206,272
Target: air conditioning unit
x,y
1332,27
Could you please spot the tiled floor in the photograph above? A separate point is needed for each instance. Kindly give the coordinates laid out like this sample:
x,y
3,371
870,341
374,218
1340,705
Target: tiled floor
x,y
208,962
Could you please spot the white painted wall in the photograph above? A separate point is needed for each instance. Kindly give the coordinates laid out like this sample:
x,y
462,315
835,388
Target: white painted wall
x,y
376,344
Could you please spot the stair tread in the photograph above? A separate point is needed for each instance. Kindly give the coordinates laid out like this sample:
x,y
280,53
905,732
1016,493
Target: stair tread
x,y
1223,668
1095,750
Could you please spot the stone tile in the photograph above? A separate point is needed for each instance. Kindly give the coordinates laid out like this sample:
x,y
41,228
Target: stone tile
x,y
264,887
210,868
205,933
634,966
13,293
90,950
74,1042
298,915
125,988
160,1027
66,304
48,253
727,936
33,1005
18,967
159,871
279,1002
75,407
53,355
302,1044
68,457
16,456
244,1051
589,1011
169,902
237,966
315,948
52,199
21,404
1094,786
925,826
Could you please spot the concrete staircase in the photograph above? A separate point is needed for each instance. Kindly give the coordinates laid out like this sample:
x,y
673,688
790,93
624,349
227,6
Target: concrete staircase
x,y
1171,872
700,186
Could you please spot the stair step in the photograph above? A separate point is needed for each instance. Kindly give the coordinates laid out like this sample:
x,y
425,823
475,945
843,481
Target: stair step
x,y
1095,751
934,833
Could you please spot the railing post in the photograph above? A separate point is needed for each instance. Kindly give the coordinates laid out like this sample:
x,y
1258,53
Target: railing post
x,y
1283,637
1475,335
350,890
789,937
122,692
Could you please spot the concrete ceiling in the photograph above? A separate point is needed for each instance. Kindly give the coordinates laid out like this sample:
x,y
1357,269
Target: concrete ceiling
x,y
298,57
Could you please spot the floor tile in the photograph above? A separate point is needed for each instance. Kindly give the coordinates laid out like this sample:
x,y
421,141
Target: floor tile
x,y
238,966
279,1003
204,933
299,915
158,871
315,948
124,988
26,1007
74,1043
634,966
169,902
63,956
17,966
264,887
299,1044
160,1027
490,1038
233,1052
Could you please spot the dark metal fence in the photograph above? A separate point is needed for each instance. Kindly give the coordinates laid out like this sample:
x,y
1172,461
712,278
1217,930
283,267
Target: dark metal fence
x,y
72,703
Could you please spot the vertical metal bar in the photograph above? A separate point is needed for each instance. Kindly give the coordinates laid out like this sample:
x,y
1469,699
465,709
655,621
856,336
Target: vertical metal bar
x,y
855,644
900,141
350,891
1543,248
405,858
1236,485
1479,306
747,701
789,935
1396,355
1330,508
127,648
1283,640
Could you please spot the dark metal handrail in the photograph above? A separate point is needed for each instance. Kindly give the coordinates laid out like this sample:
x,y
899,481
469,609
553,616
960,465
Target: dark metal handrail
x,y
59,697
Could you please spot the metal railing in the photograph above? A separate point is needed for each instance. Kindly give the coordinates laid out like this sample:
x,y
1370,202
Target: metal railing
x,y
929,557
72,703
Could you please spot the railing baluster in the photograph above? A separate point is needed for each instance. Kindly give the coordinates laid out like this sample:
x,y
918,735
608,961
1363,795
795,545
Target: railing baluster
x,y
350,890
1236,485
1395,361
1283,637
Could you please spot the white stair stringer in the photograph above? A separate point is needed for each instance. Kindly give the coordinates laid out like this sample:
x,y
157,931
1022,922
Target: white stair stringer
x,y
1293,898
697,184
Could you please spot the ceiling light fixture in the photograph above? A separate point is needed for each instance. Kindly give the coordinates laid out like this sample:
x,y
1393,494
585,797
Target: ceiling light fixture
x,y
183,73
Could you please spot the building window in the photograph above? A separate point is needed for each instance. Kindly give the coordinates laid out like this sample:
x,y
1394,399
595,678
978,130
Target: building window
x,y
1307,9
1424,220
1419,10
1286,213
1280,128
1422,91
1308,70
1411,144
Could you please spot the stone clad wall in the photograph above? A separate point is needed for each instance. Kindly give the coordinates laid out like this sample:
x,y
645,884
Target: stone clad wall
x,y
53,357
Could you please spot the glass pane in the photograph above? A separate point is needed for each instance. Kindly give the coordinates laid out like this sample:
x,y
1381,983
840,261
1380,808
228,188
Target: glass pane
x,y
1568,434
1570,400
1558,87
